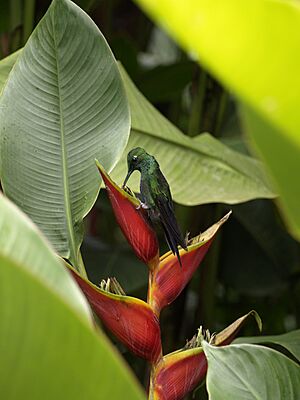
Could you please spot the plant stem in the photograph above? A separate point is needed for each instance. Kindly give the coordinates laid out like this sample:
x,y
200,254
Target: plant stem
x,y
205,312
151,386
29,7
221,112
197,105
81,267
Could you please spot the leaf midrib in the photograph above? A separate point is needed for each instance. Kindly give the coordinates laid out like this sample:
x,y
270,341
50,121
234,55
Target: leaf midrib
x,y
66,190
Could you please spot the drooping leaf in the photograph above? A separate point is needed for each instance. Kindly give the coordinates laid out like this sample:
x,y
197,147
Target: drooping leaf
x,y
63,106
130,319
48,347
290,340
254,49
227,335
200,169
250,372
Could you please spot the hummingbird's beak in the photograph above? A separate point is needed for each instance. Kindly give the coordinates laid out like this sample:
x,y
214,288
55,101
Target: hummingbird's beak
x,y
127,177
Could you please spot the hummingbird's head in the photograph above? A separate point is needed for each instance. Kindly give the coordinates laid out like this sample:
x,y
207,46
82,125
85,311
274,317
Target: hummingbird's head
x,y
135,159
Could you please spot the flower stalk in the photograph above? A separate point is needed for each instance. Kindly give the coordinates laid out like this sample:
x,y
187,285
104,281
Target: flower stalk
x,y
135,322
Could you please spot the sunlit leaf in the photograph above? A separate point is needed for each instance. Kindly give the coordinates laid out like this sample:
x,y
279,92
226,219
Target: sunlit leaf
x,y
254,49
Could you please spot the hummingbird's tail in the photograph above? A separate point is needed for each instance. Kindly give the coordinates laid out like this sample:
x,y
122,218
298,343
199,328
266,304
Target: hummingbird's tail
x,y
174,238
165,214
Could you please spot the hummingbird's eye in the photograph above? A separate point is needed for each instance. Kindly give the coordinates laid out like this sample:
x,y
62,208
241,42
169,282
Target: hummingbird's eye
x,y
134,158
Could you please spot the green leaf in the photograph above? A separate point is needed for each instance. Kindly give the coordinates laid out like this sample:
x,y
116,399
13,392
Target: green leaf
x,y
166,82
250,372
22,242
63,106
199,170
267,251
253,49
194,166
48,350
290,340
105,261
5,67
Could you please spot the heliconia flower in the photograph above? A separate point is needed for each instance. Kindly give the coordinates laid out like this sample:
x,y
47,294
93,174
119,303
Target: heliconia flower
x,y
169,278
131,320
132,220
178,373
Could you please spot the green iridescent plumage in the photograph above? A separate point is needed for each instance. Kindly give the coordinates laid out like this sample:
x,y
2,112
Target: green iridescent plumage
x,y
156,196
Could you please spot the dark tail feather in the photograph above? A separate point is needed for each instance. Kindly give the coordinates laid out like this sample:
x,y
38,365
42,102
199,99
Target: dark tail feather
x,y
172,243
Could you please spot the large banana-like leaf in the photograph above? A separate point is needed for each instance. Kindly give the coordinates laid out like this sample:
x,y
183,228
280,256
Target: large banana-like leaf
x,y
245,371
63,106
23,243
253,47
290,340
199,170
49,350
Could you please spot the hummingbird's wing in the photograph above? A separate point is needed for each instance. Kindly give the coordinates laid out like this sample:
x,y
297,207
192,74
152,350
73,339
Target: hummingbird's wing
x,y
169,223
157,195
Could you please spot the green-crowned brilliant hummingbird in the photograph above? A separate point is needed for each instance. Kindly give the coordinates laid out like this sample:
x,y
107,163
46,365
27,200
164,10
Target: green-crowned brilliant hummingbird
x,y
156,197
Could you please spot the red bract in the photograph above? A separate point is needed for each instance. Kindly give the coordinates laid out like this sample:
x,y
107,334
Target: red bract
x,y
169,279
180,372
133,221
131,320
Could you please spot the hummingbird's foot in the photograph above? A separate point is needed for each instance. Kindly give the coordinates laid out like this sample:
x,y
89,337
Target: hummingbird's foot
x,y
142,205
128,190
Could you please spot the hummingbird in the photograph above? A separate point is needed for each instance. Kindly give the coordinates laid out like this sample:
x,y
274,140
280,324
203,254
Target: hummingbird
x,y
156,197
